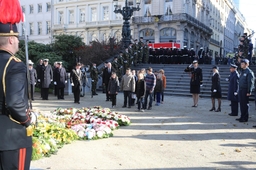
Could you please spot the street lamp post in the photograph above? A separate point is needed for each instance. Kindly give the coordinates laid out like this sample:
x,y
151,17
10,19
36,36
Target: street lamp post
x,y
127,13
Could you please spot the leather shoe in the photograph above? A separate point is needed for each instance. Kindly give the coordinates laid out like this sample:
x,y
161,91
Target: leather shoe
x,y
242,121
238,119
230,114
254,126
123,106
78,102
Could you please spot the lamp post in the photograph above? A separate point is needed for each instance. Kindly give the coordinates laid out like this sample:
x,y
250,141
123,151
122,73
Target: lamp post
x,y
126,12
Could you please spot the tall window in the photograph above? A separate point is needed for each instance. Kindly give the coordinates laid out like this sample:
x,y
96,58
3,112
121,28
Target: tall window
x,y
48,27
48,6
39,8
94,37
93,14
71,17
22,32
147,8
168,7
39,27
82,15
60,17
31,9
23,9
31,29
105,13
118,16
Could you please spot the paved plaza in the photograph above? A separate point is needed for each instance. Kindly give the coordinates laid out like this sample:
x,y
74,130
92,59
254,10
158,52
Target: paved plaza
x,y
173,136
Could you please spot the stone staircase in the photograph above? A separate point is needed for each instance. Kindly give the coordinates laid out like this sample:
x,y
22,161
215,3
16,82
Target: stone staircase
x,y
178,81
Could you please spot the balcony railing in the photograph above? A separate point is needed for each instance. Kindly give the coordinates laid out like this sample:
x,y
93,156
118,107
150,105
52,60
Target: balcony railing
x,y
215,42
182,17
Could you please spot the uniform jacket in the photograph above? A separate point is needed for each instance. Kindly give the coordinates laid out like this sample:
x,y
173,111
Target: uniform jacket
x,y
106,75
233,86
13,135
33,76
196,76
76,79
60,76
246,80
216,82
113,85
128,83
45,76
94,74
140,88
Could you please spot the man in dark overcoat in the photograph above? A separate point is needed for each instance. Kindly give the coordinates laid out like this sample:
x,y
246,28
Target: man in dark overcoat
x,y
106,76
233,90
45,78
33,78
60,79
76,82
94,77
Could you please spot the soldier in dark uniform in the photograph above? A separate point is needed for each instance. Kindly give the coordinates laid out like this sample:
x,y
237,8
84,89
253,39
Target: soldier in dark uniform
x,y
15,131
185,55
131,52
233,90
101,74
45,78
106,77
126,59
246,84
38,69
120,62
94,77
76,82
33,78
140,52
60,79
117,67
201,55
136,50
146,53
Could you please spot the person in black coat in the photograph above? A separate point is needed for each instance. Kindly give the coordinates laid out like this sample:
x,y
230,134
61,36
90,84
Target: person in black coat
x,y
196,80
140,90
113,88
33,78
107,72
216,89
60,79
233,90
38,70
76,82
45,78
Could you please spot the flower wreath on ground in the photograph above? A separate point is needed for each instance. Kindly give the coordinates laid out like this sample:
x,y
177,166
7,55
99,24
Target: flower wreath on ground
x,y
62,126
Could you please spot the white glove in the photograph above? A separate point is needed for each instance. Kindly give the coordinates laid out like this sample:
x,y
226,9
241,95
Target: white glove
x,y
121,67
125,61
201,85
66,81
235,93
226,79
51,79
55,83
92,80
38,80
33,118
72,84
35,83
214,90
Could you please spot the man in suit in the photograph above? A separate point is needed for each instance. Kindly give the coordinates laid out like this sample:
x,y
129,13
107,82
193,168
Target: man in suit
x,y
45,78
60,79
15,131
33,78
94,77
76,82
106,76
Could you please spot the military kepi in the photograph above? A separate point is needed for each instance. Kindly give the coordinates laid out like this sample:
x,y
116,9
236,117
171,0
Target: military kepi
x,y
11,13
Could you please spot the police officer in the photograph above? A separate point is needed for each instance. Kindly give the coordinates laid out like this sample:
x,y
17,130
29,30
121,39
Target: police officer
x,y
94,77
33,78
15,131
45,78
233,90
60,79
246,84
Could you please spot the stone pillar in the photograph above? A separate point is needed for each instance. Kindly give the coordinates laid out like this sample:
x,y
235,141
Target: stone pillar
x,y
157,33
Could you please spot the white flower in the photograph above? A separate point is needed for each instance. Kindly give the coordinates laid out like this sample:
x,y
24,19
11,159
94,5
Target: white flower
x,y
47,147
116,117
80,134
61,110
100,134
91,134
107,130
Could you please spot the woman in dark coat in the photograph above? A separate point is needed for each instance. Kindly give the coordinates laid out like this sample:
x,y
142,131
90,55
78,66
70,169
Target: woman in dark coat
x,y
140,91
233,90
196,80
216,89
113,88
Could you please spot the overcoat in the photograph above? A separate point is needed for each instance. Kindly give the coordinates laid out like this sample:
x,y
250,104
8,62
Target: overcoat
x,y
60,76
45,76
233,86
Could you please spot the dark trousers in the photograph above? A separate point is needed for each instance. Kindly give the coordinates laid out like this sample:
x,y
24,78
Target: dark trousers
x,y
140,103
113,99
94,84
127,96
45,92
107,95
60,92
76,92
150,95
32,86
244,104
234,108
162,94
158,97
15,159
